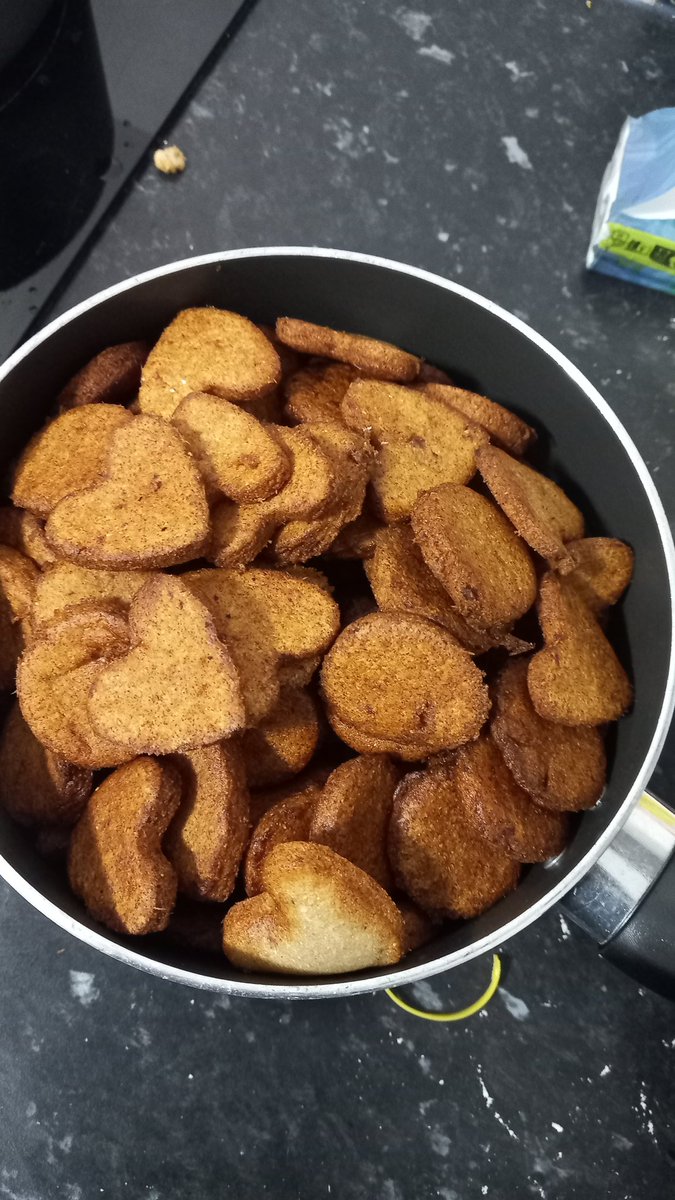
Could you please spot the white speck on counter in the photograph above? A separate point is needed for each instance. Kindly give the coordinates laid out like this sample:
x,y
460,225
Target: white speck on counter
x,y
516,154
426,995
514,1005
437,52
558,1128
441,1144
425,1064
532,113
489,1104
443,235
564,927
415,24
605,1070
516,73
82,987
484,1189
647,1121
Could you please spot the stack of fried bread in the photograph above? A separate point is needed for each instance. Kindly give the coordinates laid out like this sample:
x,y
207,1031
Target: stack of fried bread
x,y
308,660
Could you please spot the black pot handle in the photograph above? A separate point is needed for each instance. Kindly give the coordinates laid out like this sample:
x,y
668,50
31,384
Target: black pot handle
x,y
626,902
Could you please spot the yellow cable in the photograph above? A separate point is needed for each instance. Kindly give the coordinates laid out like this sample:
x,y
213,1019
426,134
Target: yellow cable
x,y
461,1013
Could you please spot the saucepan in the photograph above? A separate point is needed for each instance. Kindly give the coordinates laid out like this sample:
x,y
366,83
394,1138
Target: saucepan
x,y
615,876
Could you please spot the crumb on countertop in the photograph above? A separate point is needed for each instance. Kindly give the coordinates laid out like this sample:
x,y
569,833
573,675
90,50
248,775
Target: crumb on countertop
x,y
169,160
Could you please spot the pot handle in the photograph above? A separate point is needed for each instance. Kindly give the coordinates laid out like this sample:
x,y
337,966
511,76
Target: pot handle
x,y
626,902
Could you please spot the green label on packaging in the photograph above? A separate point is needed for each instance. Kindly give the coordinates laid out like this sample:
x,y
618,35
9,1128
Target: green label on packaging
x,y
640,247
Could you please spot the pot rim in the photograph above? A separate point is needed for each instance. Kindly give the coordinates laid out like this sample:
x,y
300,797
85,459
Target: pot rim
x,y
395,976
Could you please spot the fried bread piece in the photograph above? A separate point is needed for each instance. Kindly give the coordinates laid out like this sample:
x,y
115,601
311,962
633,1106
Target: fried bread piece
x,y
365,743
284,742
417,927
561,766
54,678
501,811
400,677
207,837
351,816
437,856
177,688
287,820
115,863
36,787
296,611
502,425
357,539
577,678
378,359
18,579
111,377
475,554
69,455
420,443
207,350
603,568
236,454
315,392
65,586
540,511
318,914
22,531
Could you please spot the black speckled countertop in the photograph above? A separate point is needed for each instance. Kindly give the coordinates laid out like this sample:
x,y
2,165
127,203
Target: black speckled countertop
x,y
470,139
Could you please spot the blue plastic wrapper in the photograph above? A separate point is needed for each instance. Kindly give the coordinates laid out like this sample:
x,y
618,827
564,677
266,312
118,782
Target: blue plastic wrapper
x,y
634,227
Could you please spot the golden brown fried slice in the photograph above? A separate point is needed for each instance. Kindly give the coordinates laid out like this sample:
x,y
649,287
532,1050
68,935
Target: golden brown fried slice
x,y
54,678
315,392
36,787
284,742
68,455
403,678
402,582
437,856
286,821
241,624
294,611
235,453
474,553
207,350
502,425
539,509
18,578
418,929
577,678
116,864
112,377
264,799
290,360
317,915
420,443
501,811
561,766
365,743
350,454
207,837
352,814
428,373
603,568
149,511
22,531
65,586
299,672
238,533
177,688
381,360
356,540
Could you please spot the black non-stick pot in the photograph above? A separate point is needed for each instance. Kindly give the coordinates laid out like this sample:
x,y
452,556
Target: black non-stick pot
x,y
618,861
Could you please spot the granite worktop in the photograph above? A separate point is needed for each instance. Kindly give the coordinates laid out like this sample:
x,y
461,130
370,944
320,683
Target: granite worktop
x,y
469,139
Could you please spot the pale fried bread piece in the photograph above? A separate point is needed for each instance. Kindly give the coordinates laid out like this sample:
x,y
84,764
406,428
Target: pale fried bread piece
x,y
420,443
318,915
22,531
315,392
149,511
356,540
350,453
540,511
284,742
352,813
235,453
365,743
68,455
54,677
112,377
285,821
18,578
378,359
436,855
475,554
577,678
36,787
402,582
177,688
401,677
208,834
242,626
207,350
501,811
502,425
115,863
561,766
603,568
65,586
